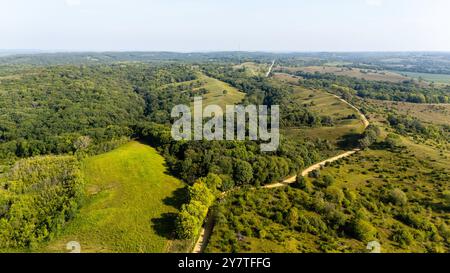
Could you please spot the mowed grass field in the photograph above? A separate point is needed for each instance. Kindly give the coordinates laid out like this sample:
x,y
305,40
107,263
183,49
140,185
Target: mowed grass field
x,y
130,206
370,75
216,94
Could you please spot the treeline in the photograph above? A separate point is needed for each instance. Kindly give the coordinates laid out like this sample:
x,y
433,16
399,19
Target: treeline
x,y
412,126
201,197
236,162
37,197
406,91
212,167
160,91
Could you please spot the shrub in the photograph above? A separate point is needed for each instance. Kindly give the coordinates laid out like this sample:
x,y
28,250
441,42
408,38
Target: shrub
x,y
397,197
303,223
415,221
292,217
334,194
303,184
314,174
200,192
363,230
187,225
316,225
444,231
328,180
334,216
278,217
392,141
402,236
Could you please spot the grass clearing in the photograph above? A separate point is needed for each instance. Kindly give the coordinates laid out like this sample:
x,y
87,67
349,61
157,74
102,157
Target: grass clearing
x,y
219,92
254,69
326,104
431,113
131,203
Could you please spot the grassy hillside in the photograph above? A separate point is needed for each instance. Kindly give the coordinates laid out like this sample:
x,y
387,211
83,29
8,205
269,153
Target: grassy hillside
x,y
431,113
254,69
130,205
219,93
325,104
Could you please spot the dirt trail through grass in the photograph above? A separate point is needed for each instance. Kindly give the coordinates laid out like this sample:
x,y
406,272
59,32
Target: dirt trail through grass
x,y
363,117
206,231
270,69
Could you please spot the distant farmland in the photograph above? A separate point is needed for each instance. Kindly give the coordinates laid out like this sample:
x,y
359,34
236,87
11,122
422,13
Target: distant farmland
x,y
436,78
366,74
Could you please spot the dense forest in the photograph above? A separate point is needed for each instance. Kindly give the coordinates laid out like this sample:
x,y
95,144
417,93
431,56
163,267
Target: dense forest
x,y
47,110
37,198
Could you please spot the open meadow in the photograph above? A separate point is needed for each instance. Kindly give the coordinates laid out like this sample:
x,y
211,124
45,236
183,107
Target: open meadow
x,y
130,207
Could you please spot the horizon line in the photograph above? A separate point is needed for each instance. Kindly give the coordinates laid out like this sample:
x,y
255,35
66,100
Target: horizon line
x,y
54,51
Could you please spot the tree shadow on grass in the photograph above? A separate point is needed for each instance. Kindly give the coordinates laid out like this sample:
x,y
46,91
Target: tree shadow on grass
x,y
164,225
349,141
178,198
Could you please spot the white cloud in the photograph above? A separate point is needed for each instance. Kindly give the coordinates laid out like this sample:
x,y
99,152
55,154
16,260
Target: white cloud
x,y
73,3
374,3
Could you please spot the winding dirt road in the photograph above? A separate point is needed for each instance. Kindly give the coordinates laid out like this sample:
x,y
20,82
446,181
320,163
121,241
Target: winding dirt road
x,y
363,117
317,166
305,172
206,231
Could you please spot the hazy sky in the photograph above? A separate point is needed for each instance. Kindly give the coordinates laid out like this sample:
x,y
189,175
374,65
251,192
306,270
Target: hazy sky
x,y
208,25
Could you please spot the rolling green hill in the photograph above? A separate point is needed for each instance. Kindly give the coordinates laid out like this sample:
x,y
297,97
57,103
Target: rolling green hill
x,y
219,92
130,204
